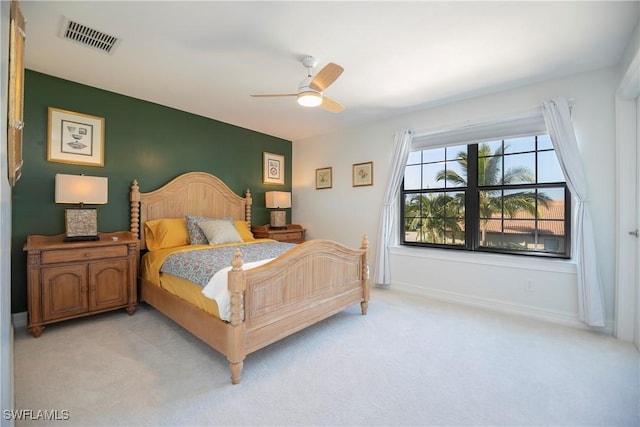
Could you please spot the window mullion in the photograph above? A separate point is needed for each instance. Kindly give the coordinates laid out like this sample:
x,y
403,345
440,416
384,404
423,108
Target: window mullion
x,y
567,221
472,213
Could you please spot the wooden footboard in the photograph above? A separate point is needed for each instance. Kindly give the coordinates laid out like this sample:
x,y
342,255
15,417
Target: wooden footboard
x,y
309,283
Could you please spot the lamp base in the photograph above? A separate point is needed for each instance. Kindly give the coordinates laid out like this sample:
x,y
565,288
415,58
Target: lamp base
x,y
81,224
278,219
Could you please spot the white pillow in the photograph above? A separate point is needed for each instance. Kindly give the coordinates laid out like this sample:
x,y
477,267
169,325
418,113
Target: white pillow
x,y
218,232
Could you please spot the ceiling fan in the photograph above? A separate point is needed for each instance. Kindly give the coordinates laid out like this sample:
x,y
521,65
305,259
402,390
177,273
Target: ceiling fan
x,y
310,90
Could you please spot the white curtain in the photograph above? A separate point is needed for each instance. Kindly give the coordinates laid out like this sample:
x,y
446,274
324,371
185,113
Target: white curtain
x,y
590,297
402,146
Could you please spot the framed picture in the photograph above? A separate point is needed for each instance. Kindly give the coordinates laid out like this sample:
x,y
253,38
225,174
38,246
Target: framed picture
x,y
324,178
15,119
272,168
362,174
75,138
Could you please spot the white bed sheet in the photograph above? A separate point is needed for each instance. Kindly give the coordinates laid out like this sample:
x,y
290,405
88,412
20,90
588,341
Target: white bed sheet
x,y
218,291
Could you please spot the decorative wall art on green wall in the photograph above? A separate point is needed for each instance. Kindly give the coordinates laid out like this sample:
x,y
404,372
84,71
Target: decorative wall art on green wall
x,y
144,141
75,138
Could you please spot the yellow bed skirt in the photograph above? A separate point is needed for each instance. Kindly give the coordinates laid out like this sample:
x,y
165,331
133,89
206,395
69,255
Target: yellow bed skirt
x,y
188,291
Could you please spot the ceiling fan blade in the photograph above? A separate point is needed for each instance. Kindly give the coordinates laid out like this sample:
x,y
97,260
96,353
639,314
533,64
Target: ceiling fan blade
x,y
326,77
331,105
269,95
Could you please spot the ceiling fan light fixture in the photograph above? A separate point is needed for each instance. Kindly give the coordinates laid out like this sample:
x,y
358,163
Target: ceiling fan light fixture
x,y
309,98
311,88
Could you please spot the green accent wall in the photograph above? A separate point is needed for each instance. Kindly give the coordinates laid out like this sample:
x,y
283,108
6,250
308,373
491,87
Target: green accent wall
x,y
144,141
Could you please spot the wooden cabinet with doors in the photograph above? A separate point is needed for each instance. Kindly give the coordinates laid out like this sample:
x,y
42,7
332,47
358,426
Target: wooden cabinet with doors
x,y
66,280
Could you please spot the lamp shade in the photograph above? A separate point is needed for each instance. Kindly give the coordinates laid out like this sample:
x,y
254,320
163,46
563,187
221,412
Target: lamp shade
x,y
277,199
81,189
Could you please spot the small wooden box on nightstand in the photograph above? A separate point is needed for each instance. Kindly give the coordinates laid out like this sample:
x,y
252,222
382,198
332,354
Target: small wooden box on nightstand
x,y
66,280
292,233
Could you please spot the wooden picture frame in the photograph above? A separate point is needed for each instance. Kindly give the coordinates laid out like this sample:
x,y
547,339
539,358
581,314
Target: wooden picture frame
x,y
272,168
15,113
324,178
362,174
75,138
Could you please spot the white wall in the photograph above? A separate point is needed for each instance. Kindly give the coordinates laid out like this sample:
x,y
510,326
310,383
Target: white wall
x,y
6,330
343,213
627,304
636,289
630,52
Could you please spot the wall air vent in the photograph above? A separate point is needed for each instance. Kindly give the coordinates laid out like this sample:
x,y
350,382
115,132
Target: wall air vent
x,y
87,36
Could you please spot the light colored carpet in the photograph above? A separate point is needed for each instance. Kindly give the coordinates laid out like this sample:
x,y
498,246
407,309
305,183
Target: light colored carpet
x,y
410,361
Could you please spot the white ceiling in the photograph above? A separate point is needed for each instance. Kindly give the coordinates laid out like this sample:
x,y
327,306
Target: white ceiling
x,y
207,57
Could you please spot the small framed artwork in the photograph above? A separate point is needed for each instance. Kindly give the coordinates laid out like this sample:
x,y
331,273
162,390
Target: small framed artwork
x,y
362,174
272,168
75,138
324,178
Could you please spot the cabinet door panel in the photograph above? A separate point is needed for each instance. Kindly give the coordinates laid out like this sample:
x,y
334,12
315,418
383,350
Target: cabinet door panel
x,y
108,284
64,291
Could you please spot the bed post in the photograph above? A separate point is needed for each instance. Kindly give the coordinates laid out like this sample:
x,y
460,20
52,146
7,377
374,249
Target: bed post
x,y
247,208
134,199
365,276
236,337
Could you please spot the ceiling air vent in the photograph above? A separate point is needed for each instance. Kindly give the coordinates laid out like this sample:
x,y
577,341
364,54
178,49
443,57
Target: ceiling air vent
x,y
88,36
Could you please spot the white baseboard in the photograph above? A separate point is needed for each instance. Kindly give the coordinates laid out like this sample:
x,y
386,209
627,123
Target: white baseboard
x,y
19,320
561,318
566,319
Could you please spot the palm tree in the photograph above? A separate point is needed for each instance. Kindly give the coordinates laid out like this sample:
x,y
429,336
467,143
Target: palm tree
x,y
432,215
495,201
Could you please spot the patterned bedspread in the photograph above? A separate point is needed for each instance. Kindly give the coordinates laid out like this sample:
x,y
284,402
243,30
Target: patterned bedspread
x,y
200,265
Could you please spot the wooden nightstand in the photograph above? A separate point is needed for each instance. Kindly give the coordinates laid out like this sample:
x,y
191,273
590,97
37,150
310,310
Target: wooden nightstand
x,y
66,280
293,233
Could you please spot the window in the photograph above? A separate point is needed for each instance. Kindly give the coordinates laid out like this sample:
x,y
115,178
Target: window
x,y
506,195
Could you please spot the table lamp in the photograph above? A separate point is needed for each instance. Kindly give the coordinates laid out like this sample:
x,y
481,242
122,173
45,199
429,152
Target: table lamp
x,y
81,223
276,200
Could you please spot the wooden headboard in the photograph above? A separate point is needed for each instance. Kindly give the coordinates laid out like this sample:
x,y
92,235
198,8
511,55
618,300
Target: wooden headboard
x,y
193,193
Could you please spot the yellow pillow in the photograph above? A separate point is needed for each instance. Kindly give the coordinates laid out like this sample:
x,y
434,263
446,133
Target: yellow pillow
x,y
244,231
166,233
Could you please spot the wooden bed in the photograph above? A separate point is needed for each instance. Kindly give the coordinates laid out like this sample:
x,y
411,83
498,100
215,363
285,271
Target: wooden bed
x,y
309,283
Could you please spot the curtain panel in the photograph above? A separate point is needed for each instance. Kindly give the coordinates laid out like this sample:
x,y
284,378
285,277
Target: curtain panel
x,y
557,116
390,211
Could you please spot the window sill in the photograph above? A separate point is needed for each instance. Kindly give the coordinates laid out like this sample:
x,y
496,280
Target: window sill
x,y
498,260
